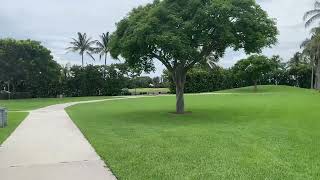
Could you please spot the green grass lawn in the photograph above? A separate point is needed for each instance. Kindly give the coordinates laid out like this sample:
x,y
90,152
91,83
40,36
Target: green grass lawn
x,y
150,90
14,119
230,136
31,104
267,89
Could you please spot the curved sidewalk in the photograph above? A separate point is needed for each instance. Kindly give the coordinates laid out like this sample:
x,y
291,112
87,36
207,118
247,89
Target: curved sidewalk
x,y
48,146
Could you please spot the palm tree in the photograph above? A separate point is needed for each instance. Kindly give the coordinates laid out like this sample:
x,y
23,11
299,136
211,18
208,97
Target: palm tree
x,y
312,50
312,46
312,15
82,44
102,47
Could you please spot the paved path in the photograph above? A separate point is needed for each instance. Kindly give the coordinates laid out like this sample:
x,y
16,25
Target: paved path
x,y
48,146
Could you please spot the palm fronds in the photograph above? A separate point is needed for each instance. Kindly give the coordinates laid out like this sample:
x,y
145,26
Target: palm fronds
x,y
82,44
102,46
312,15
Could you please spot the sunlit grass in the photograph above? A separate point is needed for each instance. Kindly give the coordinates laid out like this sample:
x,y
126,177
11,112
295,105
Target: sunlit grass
x,y
230,136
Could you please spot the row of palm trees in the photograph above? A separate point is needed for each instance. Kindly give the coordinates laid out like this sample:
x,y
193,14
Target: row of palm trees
x,y
86,45
311,46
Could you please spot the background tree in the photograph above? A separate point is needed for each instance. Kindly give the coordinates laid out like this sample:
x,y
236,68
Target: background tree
x,y
103,47
299,70
312,50
183,33
27,66
83,45
253,69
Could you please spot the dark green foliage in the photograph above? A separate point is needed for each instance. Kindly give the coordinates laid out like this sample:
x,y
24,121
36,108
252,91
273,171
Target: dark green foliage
x,y
204,79
93,81
28,70
253,69
140,82
270,71
29,67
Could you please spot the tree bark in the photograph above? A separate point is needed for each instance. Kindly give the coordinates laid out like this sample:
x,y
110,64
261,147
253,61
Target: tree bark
x,y
255,87
105,66
82,59
317,81
312,76
179,77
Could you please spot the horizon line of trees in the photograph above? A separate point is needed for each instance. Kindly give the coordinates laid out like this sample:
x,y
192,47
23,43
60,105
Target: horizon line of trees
x,y
252,71
29,69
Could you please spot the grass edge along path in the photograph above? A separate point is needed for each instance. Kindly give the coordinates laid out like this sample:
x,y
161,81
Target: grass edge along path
x,y
36,103
14,120
232,136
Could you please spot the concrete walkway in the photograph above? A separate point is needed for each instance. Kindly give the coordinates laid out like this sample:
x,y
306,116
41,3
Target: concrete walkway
x,y
48,146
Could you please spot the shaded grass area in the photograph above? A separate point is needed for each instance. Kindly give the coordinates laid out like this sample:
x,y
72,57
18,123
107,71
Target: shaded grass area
x,y
235,136
14,119
31,104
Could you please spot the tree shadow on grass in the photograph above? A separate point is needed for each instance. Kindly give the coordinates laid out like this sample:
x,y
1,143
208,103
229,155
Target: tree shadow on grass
x,y
198,116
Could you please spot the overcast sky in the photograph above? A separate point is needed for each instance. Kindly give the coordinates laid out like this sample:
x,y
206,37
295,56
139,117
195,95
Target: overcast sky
x,y
54,22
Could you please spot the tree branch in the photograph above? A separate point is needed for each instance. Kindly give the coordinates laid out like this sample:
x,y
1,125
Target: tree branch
x,y
165,63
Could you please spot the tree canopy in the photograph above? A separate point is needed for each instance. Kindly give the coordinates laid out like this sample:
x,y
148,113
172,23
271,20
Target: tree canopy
x,y
254,68
182,33
27,65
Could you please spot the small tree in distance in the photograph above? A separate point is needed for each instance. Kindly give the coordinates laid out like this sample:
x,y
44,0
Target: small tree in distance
x,y
253,69
182,33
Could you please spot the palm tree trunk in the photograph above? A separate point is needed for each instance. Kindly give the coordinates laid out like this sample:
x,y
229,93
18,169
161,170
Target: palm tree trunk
x,y
105,66
105,61
312,77
82,59
317,83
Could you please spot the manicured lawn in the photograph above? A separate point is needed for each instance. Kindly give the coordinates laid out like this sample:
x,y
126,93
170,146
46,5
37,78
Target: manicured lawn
x,y
267,89
231,136
30,104
150,90
14,119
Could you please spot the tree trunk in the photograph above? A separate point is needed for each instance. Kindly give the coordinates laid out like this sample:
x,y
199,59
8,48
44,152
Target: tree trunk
x,y
312,76
9,95
105,66
317,83
179,78
255,87
105,61
82,59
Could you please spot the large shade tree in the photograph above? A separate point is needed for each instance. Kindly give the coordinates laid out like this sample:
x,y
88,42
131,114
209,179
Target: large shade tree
x,y
182,33
83,45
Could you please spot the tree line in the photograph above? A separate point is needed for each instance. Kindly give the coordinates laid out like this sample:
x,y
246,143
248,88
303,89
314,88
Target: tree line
x,y
29,70
252,71
184,35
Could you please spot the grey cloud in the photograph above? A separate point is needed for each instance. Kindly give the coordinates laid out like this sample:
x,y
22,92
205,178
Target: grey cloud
x,y
54,22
